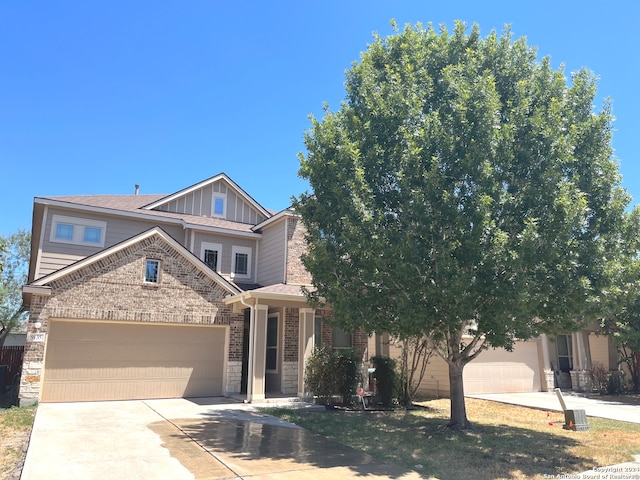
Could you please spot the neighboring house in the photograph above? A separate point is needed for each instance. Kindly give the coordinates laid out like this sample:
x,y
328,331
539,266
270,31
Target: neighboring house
x,y
199,293
16,339
536,365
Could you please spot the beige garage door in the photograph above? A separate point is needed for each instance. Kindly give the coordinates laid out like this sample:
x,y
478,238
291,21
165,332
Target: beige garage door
x,y
112,361
499,371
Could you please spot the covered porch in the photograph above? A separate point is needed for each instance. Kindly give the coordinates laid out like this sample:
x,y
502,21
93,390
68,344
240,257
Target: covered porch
x,y
278,338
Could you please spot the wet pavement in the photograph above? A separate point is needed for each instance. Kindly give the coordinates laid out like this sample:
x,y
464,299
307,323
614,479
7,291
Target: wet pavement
x,y
182,439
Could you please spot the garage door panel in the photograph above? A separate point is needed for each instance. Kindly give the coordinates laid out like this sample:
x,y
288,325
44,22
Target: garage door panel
x,y
499,371
101,361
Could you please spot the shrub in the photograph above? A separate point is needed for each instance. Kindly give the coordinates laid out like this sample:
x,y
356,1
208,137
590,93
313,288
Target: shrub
x,y
386,379
599,377
616,384
347,374
330,372
320,373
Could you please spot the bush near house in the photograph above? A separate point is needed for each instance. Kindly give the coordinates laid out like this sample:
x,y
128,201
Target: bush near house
x,y
387,387
329,372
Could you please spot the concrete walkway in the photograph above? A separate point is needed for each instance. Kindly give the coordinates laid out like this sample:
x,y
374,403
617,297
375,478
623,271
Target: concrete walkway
x,y
178,439
592,405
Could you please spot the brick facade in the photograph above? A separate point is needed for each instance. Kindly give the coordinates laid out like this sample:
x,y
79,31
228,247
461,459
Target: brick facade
x,y
296,247
112,289
291,334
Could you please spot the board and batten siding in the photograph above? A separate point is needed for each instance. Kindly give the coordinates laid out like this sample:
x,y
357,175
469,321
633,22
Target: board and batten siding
x,y
200,203
271,269
55,255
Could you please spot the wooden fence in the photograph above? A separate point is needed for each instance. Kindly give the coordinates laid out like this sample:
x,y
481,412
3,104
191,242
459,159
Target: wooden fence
x,y
11,356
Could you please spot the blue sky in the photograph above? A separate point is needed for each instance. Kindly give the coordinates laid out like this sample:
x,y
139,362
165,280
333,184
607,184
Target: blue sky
x,y
98,96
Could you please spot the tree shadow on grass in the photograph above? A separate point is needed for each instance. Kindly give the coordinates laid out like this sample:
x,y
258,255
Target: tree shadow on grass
x,y
487,452
414,442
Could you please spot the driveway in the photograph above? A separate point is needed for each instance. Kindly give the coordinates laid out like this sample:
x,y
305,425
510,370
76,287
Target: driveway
x,y
178,439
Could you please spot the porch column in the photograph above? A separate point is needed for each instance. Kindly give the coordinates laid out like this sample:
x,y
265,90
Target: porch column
x,y
577,351
581,375
547,380
257,353
305,344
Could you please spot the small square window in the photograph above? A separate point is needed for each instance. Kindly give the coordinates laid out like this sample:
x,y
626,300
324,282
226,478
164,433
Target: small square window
x,y
152,271
92,234
64,231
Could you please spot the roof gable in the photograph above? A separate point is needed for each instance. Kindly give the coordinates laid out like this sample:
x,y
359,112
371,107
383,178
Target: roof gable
x,y
190,199
148,234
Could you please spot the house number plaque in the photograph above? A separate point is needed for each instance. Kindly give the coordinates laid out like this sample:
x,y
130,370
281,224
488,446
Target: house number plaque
x,y
36,337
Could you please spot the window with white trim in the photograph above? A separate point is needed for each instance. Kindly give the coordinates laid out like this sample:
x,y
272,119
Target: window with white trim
x,y
152,271
211,254
79,231
219,205
241,261
271,364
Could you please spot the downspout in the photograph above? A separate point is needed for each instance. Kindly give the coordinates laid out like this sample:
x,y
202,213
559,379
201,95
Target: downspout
x,y
252,317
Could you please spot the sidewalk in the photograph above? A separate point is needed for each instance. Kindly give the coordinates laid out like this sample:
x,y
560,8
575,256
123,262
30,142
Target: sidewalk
x,y
593,406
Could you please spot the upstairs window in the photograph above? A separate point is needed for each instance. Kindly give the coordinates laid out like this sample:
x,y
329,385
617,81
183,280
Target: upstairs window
x,y
241,261
92,234
64,231
219,207
211,253
79,231
152,271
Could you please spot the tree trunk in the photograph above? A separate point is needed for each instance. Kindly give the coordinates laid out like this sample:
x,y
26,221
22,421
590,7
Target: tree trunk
x,y
458,419
635,371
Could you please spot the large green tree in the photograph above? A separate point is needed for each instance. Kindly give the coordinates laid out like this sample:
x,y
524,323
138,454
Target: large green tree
x,y
464,190
14,262
622,321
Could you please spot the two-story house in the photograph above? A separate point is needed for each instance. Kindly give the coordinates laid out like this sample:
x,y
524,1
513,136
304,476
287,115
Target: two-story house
x,y
192,294
199,293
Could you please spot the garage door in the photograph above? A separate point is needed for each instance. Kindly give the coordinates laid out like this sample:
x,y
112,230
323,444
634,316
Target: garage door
x,y
113,361
499,371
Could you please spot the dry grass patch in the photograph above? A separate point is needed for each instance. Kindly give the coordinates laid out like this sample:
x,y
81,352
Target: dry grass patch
x,y
15,428
509,442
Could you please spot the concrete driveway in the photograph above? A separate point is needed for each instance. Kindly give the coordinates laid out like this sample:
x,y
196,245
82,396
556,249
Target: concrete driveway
x,y
184,439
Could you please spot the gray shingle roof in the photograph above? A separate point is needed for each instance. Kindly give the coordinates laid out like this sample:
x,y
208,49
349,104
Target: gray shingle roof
x,y
134,204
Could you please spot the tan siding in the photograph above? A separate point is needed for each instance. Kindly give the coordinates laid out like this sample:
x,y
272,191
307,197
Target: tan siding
x,y
58,255
52,261
599,346
272,254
